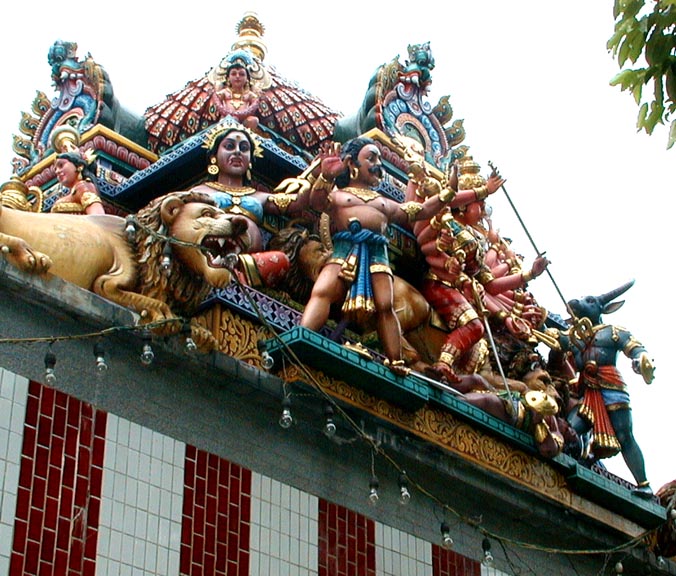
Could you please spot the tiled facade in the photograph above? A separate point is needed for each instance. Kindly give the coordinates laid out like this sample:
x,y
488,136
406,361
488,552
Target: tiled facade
x,y
86,492
140,525
58,499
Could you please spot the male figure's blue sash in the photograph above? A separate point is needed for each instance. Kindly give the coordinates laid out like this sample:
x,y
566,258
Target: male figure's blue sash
x,y
357,268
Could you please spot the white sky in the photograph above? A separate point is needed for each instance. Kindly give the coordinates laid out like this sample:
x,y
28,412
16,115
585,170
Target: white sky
x,y
529,78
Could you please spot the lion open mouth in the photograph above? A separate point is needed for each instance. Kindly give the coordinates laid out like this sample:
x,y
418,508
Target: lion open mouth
x,y
221,251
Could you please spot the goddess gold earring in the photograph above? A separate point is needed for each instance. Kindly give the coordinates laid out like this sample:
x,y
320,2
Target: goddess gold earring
x,y
213,167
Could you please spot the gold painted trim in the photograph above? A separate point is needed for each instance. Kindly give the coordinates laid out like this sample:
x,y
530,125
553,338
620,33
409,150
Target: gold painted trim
x,y
444,429
380,136
98,130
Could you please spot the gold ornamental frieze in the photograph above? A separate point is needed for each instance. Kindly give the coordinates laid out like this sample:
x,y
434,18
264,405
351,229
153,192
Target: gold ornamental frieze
x,y
236,336
447,431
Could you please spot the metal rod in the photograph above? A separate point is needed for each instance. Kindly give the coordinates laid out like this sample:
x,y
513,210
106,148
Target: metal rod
x,y
530,238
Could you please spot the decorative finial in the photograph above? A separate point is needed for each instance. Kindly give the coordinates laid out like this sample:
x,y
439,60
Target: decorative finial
x,y
65,139
468,174
248,51
251,32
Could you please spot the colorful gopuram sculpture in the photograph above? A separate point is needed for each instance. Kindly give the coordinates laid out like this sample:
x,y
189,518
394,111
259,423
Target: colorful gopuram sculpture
x,y
384,217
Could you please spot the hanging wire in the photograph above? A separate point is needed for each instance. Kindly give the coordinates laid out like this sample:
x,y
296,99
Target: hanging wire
x,y
292,358
378,449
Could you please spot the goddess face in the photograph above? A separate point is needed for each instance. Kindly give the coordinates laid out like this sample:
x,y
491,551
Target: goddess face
x,y
234,154
67,173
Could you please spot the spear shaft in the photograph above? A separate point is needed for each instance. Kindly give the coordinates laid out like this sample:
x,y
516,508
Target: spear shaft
x,y
530,238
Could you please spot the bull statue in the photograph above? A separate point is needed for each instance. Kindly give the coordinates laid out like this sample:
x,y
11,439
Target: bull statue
x,y
603,408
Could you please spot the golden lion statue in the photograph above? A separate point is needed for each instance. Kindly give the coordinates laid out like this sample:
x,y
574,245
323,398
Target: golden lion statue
x,y
95,253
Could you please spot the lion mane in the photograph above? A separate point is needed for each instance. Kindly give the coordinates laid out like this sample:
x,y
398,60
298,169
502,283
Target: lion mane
x,y
291,240
177,286
180,251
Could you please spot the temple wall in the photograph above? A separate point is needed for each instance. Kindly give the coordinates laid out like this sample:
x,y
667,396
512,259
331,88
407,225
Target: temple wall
x,y
89,491
180,467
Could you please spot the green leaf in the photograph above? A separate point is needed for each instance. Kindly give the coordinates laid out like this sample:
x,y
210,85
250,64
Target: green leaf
x,y
631,7
625,79
614,42
670,81
624,52
672,131
642,113
657,48
636,49
654,118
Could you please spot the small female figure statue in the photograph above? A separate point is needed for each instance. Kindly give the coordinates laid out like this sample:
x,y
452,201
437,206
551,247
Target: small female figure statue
x,y
73,172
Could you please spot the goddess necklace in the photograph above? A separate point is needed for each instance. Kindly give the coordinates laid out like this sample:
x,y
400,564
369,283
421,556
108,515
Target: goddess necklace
x,y
232,190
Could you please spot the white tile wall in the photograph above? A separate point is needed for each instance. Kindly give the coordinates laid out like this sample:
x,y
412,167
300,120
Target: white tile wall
x,y
284,529
13,397
401,554
141,504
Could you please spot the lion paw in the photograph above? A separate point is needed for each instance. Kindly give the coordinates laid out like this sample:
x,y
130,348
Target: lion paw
x,y
23,257
205,340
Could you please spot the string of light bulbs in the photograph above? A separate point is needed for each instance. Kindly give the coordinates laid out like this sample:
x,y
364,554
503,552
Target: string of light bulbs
x,y
405,483
331,408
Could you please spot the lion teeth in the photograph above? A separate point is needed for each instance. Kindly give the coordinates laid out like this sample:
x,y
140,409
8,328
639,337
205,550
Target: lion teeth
x,y
221,242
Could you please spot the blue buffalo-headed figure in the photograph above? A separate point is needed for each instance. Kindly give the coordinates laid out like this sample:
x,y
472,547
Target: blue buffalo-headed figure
x,y
603,412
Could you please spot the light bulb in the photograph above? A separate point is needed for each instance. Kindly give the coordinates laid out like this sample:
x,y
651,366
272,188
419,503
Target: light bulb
x,y
50,363
286,419
267,361
619,568
330,428
130,230
165,262
165,265
50,377
329,424
404,494
446,540
373,491
99,354
190,345
488,556
147,355
186,330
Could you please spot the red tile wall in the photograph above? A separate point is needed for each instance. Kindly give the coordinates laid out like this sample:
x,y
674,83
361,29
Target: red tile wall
x,y
449,563
346,542
216,516
60,480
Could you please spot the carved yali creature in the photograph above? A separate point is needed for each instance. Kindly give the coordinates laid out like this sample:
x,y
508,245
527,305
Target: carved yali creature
x,y
94,252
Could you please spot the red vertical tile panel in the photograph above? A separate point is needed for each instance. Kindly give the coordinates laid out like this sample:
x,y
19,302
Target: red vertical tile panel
x,y
346,542
216,516
60,481
450,563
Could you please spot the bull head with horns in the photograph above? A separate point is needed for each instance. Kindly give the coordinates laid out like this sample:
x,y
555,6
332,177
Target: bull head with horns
x,y
593,306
